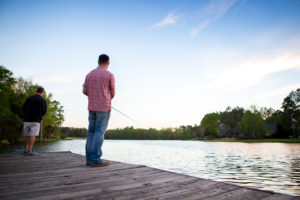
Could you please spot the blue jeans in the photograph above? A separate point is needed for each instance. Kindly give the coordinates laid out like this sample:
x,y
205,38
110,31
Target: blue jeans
x,y
98,122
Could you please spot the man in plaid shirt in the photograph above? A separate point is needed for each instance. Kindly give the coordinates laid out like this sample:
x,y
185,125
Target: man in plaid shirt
x,y
99,86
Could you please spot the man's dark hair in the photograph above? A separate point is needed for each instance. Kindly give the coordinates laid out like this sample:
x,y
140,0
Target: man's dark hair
x,y
103,58
40,90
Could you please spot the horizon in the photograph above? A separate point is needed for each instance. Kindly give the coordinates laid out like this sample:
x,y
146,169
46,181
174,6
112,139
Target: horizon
x,y
173,61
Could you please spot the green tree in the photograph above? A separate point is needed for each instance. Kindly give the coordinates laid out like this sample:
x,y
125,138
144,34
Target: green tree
x,y
73,132
231,118
252,124
53,118
291,103
10,115
13,95
267,113
7,82
291,109
211,123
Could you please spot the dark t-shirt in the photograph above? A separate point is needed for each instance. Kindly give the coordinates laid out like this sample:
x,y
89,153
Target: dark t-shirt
x,y
34,108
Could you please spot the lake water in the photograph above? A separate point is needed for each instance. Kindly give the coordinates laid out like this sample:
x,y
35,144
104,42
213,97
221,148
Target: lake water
x,y
266,166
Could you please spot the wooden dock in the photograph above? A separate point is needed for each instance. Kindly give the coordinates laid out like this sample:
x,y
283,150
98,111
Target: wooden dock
x,y
63,175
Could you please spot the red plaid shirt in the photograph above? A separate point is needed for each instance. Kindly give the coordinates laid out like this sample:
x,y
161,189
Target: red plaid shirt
x,y
98,84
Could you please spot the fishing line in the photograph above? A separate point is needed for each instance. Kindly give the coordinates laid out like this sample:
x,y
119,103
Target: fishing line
x,y
123,114
111,107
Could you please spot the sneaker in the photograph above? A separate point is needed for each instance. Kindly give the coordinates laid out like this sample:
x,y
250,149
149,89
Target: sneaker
x,y
31,153
101,164
25,153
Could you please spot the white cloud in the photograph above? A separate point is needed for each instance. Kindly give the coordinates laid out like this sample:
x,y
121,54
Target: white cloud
x,y
284,91
202,26
252,71
213,11
170,19
242,71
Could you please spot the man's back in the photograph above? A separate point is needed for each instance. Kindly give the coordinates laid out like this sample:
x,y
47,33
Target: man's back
x,y
99,83
34,108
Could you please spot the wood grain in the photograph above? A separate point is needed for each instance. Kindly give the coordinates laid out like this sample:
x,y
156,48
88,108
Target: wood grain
x,y
63,175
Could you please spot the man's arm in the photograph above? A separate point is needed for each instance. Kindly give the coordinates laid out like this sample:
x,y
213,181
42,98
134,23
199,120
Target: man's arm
x,y
112,93
44,107
84,91
112,87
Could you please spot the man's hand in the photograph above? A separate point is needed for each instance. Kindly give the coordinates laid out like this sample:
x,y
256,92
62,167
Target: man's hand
x,y
84,91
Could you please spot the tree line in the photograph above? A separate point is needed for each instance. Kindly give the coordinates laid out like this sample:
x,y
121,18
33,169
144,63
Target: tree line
x,y
183,132
13,92
255,123
73,132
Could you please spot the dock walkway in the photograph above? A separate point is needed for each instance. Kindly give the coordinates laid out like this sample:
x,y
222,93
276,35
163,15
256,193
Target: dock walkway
x,y
63,175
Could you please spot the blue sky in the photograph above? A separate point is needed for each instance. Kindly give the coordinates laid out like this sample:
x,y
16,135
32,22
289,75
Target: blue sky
x,y
174,61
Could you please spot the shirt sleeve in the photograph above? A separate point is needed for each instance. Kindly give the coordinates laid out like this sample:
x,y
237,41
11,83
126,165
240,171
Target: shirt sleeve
x,y
44,107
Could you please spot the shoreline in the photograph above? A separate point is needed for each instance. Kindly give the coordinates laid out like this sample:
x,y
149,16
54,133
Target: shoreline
x,y
269,140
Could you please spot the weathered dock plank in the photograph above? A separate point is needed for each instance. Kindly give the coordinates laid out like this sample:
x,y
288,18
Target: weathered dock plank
x,y
63,175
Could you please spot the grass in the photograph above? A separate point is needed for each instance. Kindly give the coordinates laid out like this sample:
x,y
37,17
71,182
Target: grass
x,y
251,140
5,142
74,138
56,139
47,140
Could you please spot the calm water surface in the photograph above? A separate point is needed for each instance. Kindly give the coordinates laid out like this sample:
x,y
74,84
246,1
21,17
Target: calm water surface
x,y
267,166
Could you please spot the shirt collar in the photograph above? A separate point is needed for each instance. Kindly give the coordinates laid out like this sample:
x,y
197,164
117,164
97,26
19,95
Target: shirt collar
x,y
101,67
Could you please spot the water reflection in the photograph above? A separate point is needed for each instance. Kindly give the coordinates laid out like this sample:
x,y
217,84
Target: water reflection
x,y
268,166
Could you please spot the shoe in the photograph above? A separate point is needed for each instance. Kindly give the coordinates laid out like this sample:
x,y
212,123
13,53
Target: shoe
x,y
101,164
31,153
25,153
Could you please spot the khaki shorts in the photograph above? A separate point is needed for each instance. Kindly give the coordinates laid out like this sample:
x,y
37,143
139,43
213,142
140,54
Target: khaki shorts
x,y
31,129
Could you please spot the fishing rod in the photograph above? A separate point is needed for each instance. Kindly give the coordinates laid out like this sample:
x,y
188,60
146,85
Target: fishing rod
x,y
123,114
117,111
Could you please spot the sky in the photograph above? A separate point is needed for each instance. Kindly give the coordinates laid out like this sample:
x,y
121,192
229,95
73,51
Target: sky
x,y
174,61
